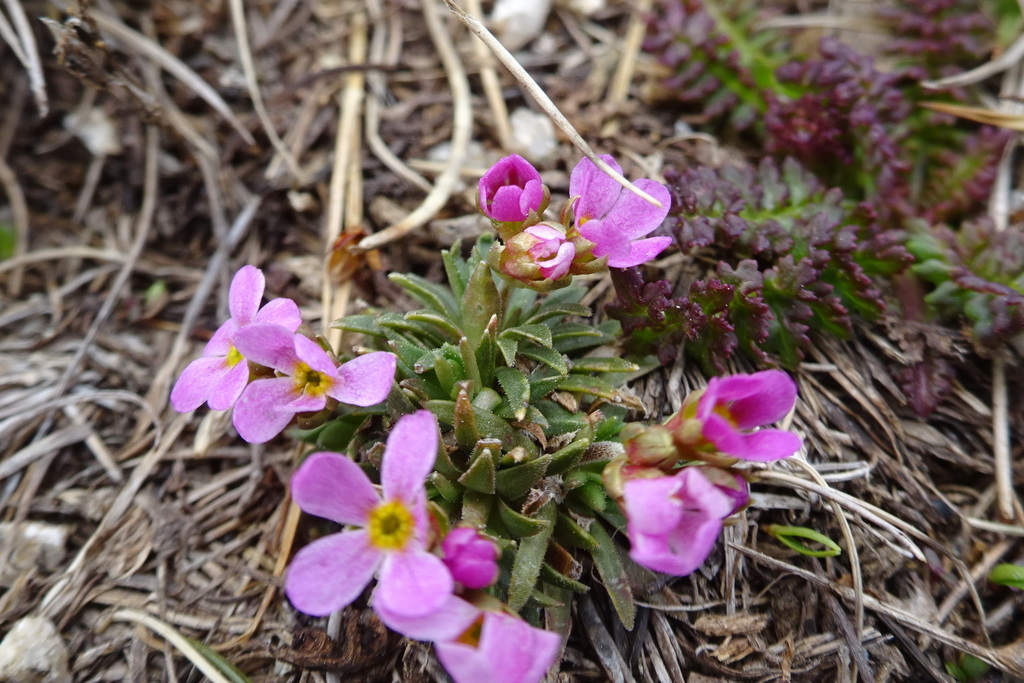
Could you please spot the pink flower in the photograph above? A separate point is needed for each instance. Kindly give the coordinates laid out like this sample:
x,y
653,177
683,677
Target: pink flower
x,y
550,251
674,521
510,190
268,405
220,375
470,557
732,406
499,648
539,257
614,218
389,537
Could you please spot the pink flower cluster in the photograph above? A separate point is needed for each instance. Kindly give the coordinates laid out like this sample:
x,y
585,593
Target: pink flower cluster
x,y
422,586
603,224
257,363
675,481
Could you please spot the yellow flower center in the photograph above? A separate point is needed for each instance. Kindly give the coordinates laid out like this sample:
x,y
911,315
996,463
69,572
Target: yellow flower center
x,y
391,526
471,636
309,381
234,357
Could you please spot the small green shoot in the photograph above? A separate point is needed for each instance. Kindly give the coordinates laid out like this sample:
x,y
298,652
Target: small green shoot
x,y
788,535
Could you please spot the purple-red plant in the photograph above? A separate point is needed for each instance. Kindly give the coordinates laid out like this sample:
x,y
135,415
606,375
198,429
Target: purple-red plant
x,y
220,375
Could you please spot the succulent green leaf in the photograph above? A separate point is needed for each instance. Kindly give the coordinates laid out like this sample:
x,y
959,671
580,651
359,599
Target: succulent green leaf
x,y
426,335
538,334
476,508
569,533
432,295
480,475
455,268
518,524
468,357
336,434
613,575
360,324
529,558
464,422
480,302
519,303
566,458
595,386
487,352
449,329
599,364
514,482
448,490
230,672
568,337
509,347
551,575
549,357
517,389
557,310
488,424
541,601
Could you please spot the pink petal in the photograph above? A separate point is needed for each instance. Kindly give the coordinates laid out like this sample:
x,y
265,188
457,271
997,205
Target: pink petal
x,y
245,294
766,445
331,486
640,251
651,504
723,435
229,386
505,206
268,344
365,380
509,651
258,416
283,312
531,198
559,264
409,455
608,239
634,215
683,550
470,557
597,191
221,341
313,355
331,572
754,400
196,383
447,622
413,583
305,403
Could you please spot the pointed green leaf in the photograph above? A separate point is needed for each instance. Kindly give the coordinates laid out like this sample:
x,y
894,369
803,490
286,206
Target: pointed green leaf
x,y
595,386
592,495
549,357
509,348
514,482
455,268
519,304
487,352
557,578
232,673
476,508
488,424
451,331
598,364
480,302
448,490
789,535
561,421
432,295
518,524
361,324
541,600
547,312
570,533
487,399
567,457
541,387
409,355
468,358
480,475
613,576
529,558
517,389
538,334
464,422
1008,575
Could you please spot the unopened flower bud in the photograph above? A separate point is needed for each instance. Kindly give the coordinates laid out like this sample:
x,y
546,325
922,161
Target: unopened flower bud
x,y
510,193
538,257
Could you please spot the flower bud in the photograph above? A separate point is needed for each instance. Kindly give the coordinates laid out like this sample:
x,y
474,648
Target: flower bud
x,y
538,257
470,557
511,193
649,445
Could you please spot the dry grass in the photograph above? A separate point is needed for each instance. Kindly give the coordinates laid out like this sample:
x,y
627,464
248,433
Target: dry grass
x,y
224,152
